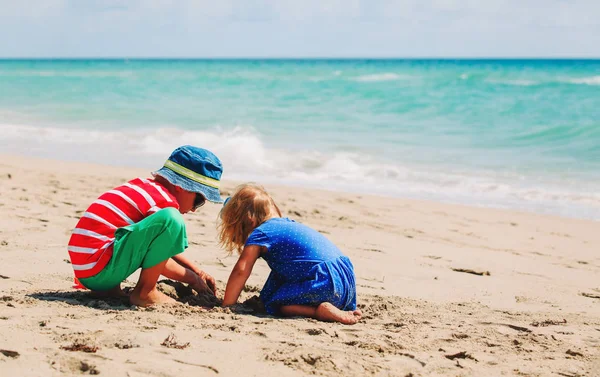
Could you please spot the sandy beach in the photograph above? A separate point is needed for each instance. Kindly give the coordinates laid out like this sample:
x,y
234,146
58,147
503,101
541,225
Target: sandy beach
x,y
446,290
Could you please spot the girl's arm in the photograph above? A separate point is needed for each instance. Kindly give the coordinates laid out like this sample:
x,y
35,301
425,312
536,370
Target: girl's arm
x,y
241,272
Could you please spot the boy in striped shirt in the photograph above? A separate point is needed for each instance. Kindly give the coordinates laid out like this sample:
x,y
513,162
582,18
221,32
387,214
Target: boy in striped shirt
x,y
140,224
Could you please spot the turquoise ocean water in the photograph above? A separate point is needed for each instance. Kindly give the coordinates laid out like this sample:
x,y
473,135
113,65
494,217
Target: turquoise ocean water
x,y
520,134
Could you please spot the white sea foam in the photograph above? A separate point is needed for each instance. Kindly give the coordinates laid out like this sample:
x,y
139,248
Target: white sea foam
x,y
379,77
245,156
521,82
593,80
77,74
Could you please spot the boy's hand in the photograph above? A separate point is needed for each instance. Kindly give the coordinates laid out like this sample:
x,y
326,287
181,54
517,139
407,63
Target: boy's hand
x,y
208,280
201,286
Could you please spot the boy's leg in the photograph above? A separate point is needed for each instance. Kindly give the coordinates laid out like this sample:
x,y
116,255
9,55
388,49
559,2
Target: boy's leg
x,y
326,311
150,244
145,292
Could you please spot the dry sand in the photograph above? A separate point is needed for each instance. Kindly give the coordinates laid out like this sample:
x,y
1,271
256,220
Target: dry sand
x,y
533,309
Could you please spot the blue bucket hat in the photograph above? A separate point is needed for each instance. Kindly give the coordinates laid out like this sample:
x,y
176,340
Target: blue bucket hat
x,y
194,169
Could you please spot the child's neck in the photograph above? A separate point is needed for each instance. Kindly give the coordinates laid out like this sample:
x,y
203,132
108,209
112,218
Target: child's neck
x,y
273,214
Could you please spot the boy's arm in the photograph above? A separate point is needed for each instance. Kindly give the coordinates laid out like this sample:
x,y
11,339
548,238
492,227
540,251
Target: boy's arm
x,y
185,262
239,275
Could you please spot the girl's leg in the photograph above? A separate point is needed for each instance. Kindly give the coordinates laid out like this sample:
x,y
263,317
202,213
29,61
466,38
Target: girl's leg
x,y
145,292
175,271
326,311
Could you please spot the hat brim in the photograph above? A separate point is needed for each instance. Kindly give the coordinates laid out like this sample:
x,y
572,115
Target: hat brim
x,y
210,193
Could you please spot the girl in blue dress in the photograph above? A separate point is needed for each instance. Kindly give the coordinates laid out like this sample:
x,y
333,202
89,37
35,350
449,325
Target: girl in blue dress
x,y
309,277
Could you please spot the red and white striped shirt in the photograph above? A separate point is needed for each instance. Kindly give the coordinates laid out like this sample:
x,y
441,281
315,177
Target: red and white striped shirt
x,y
91,244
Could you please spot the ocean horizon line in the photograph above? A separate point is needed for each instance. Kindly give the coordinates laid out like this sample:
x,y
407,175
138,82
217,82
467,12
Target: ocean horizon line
x,y
317,58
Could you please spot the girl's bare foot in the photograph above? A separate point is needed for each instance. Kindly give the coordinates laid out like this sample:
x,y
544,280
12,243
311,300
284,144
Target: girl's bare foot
x,y
327,312
152,298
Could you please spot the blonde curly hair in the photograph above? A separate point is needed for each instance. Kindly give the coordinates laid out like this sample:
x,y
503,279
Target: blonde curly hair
x,y
249,206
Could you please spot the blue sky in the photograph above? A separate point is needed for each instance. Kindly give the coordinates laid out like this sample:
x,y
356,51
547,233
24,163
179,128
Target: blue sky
x,y
299,28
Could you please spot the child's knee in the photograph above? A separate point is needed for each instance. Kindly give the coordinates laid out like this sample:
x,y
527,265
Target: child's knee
x,y
167,238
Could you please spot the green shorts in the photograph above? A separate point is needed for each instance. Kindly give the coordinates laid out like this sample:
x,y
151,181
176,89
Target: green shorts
x,y
145,244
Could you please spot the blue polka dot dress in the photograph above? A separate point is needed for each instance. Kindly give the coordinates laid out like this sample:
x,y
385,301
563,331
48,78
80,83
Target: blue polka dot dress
x,y
306,268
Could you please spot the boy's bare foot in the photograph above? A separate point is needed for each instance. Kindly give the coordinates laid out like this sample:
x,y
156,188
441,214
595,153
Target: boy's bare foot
x,y
327,312
152,298
115,292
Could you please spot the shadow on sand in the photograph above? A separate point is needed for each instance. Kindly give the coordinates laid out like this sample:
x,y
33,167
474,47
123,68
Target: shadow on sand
x,y
176,290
